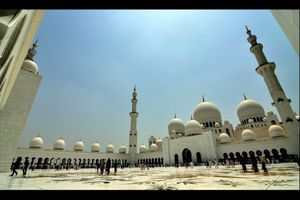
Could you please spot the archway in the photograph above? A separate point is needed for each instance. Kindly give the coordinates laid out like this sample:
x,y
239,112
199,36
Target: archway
x,y
186,156
284,154
275,155
231,156
176,160
225,156
258,153
199,159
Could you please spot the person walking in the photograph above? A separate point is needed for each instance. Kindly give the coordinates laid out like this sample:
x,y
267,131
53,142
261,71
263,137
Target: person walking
x,y
26,165
108,166
115,166
263,163
16,166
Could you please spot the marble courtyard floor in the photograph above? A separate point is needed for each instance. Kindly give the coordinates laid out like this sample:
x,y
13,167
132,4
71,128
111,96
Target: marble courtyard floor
x,y
284,176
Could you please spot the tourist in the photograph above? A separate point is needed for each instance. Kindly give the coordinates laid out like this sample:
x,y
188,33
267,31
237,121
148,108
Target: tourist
x,y
263,163
16,166
26,165
102,165
243,163
115,166
107,166
254,163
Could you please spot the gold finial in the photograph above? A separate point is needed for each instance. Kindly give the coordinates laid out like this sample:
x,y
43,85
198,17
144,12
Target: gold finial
x,y
203,100
245,98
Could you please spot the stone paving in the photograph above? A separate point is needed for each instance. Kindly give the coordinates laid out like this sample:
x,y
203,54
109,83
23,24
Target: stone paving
x,y
283,176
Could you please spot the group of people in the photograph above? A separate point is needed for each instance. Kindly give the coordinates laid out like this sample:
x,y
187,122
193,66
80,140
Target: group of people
x,y
106,165
16,166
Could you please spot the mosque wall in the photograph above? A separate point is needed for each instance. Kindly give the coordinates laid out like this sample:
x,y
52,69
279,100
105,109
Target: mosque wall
x,y
149,155
257,145
14,115
204,144
60,154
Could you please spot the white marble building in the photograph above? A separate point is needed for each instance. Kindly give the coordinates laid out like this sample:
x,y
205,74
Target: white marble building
x,y
204,137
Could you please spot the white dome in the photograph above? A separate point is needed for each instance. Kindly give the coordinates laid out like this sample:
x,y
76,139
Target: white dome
x,y
177,125
158,140
95,147
224,138
153,147
248,135
207,112
110,148
264,119
59,144
78,146
297,117
276,131
248,109
36,142
29,65
143,149
251,121
122,149
202,126
193,127
217,125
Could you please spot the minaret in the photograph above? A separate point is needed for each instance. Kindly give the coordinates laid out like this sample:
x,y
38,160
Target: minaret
x,y
280,101
133,131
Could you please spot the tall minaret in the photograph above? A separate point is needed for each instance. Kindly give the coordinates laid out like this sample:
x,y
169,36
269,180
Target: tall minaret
x,y
280,101
133,131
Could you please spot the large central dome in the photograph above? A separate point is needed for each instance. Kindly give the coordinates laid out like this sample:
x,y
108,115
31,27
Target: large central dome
x,y
207,112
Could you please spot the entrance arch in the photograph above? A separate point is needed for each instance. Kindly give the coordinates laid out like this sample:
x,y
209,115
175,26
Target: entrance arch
x,y
186,156
176,160
199,159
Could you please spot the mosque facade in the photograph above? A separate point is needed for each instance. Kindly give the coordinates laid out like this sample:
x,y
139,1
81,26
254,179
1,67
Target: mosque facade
x,y
204,137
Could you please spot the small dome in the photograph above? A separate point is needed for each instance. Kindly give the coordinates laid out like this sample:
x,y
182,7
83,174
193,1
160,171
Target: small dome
x,y
143,149
110,148
251,121
217,125
59,144
36,143
297,117
78,146
276,131
122,149
264,119
207,112
249,108
193,127
177,125
153,147
202,126
248,135
95,147
224,138
158,140
30,66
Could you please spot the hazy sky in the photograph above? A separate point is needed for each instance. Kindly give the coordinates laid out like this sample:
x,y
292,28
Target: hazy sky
x,y
90,60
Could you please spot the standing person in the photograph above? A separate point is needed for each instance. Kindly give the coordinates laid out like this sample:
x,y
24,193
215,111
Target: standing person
x,y
16,166
263,163
102,165
243,163
108,165
97,166
26,165
116,166
254,163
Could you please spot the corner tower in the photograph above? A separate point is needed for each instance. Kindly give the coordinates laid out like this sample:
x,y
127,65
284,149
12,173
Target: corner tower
x,y
280,101
133,131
